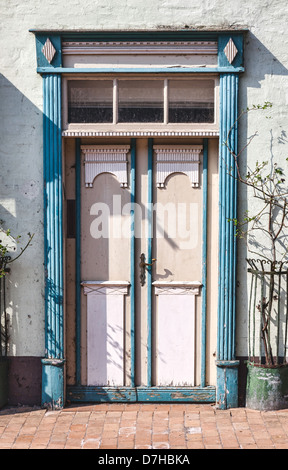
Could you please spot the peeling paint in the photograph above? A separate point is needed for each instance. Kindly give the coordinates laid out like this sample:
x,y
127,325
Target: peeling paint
x,y
267,389
53,405
141,394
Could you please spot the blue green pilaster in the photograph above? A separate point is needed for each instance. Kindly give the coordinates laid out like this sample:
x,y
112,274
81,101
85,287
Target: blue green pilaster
x,y
53,383
227,366
53,363
227,384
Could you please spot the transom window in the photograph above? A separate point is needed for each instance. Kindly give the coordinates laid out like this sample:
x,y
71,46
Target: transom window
x,y
130,100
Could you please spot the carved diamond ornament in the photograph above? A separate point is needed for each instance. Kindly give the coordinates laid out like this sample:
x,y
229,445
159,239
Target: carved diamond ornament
x,y
230,51
49,50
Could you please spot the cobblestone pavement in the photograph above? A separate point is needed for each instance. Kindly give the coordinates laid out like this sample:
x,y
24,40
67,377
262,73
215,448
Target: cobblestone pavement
x,y
142,426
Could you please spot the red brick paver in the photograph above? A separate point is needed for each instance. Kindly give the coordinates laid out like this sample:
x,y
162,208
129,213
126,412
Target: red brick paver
x,y
143,426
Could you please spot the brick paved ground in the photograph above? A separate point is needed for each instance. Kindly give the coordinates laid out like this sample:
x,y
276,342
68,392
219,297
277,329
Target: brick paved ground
x,y
143,426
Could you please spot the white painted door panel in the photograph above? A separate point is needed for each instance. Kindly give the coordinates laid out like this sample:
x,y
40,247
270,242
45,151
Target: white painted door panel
x,y
106,303
176,342
105,334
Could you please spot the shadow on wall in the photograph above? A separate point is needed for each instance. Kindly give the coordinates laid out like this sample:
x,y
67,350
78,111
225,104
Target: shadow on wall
x,y
21,209
259,63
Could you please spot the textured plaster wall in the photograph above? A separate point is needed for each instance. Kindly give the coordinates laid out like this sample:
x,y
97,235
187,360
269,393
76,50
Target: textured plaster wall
x,y
266,60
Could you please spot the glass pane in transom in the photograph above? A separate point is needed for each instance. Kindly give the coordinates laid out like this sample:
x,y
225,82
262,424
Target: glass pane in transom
x,y
141,101
90,101
191,101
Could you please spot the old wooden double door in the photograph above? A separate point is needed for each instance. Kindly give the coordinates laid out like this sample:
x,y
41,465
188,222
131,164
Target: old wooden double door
x,y
141,262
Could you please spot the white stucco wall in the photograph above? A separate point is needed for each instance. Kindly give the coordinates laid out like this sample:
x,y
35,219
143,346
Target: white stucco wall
x,y
266,78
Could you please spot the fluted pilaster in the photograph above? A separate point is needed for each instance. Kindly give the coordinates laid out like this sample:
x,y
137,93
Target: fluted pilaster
x,y
227,366
52,378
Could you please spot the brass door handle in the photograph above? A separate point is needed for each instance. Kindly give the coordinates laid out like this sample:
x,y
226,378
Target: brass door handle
x,y
143,266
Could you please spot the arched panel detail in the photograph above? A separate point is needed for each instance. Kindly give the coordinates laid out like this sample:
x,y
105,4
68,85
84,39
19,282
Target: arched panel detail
x,y
105,159
177,159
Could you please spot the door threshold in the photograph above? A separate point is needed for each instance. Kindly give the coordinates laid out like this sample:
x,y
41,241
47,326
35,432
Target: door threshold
x,y
142,394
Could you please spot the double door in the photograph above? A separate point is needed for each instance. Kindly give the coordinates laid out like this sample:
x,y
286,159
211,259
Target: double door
x,y
141,262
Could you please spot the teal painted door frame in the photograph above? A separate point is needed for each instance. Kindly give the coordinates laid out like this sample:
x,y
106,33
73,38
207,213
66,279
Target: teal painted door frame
x,y
53,365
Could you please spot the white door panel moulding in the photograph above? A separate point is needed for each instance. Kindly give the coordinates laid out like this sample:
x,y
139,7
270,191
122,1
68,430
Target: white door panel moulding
x,y
177,159
105,332
175,319
105,159
177,287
